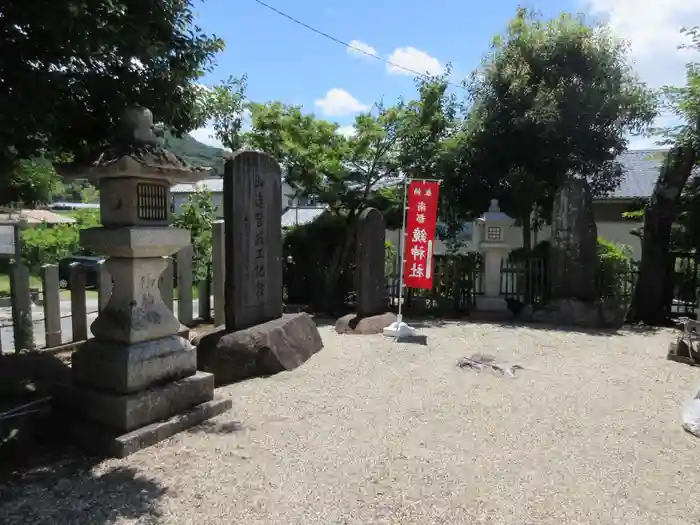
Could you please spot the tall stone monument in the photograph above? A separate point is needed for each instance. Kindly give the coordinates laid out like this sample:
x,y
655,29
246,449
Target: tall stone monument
x,y
252,205
574,262
257,339
574,243
370,283
136,383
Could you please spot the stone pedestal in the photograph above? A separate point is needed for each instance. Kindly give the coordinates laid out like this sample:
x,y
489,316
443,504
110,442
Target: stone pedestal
x,y
261,350
134,381
491,300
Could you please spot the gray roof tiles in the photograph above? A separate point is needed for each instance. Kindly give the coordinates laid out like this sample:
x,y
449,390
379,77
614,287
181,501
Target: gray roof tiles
x,y
300,216
641,171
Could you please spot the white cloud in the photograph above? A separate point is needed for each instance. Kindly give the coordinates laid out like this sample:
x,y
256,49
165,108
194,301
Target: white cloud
x,y
652,27
347,131
414,59
361,49
339,103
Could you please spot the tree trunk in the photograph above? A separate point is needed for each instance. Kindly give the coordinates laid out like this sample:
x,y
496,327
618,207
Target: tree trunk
x,y
527,234
650,297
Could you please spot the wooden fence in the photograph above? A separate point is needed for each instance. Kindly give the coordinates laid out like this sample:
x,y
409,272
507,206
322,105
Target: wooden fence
x,y
457,281
528,281
51,317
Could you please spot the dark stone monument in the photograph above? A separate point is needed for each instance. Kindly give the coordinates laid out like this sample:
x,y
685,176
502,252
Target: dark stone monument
x,y
574,263
252,206
371,316
256,338
574,243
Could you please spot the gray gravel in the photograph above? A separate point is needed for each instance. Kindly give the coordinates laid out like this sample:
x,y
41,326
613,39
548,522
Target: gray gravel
x,y
370,431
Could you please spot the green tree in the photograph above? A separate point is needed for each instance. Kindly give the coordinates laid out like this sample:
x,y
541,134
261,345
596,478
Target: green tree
x,y
342,173
69,69
553,99
224,105
197,216
662,211
29,182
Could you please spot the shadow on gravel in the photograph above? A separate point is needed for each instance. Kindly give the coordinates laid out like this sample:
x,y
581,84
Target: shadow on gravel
x,y
43,478
69,492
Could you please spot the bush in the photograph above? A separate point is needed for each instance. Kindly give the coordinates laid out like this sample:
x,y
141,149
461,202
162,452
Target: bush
x,y
308,250
45,244
197,216
48,244
616,271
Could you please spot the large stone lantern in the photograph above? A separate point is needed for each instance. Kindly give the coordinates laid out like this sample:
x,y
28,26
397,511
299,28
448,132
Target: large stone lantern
x,y
136,382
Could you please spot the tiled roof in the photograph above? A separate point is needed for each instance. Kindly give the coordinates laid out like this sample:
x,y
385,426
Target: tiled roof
x,y
300,216
641,171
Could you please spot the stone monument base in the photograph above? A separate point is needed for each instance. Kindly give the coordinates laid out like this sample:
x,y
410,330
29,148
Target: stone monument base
x,y
265,349
120,424
582,314
373,324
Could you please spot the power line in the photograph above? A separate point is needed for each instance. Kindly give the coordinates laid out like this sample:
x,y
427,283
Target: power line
x,y
346,44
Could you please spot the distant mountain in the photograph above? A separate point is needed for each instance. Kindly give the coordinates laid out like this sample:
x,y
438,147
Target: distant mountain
x,y
196,153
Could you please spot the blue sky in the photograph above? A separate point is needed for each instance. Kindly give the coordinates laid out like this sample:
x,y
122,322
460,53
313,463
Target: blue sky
x,y
290,63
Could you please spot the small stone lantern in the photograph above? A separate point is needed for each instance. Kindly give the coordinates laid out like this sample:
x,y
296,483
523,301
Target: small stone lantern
x,y
490,238
136,379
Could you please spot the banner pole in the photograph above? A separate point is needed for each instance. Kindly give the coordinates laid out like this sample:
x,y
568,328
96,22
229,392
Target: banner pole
x,y
402,247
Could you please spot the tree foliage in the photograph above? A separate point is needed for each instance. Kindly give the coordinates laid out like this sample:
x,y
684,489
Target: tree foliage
x,y
224,105
48,244
347,174
553,99
70,68
197,216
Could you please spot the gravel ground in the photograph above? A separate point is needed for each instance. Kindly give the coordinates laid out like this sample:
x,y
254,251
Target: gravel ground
x,y
370,431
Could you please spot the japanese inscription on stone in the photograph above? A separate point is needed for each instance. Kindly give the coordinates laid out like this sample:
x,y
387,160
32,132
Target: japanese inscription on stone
x,y
253,233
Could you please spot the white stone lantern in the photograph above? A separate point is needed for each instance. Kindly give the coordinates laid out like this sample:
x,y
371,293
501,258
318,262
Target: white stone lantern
x,y
489,236
137,377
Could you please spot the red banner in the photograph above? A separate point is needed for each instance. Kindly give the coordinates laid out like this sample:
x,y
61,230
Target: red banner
x,y
421,217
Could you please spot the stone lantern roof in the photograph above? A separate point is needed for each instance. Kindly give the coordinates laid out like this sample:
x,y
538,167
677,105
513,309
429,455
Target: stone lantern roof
x,y
494,213
137,152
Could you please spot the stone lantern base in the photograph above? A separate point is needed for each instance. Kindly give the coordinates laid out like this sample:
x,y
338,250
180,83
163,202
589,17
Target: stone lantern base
x,y
128,397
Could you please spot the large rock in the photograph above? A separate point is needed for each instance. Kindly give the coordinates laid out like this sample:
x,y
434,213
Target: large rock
x,y
574,245
373,324
264,349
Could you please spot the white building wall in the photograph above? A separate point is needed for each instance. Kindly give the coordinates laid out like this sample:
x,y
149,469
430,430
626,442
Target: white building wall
x,y
617,232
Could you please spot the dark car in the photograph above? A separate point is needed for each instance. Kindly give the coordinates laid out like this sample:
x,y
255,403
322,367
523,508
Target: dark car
x,y
91,266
